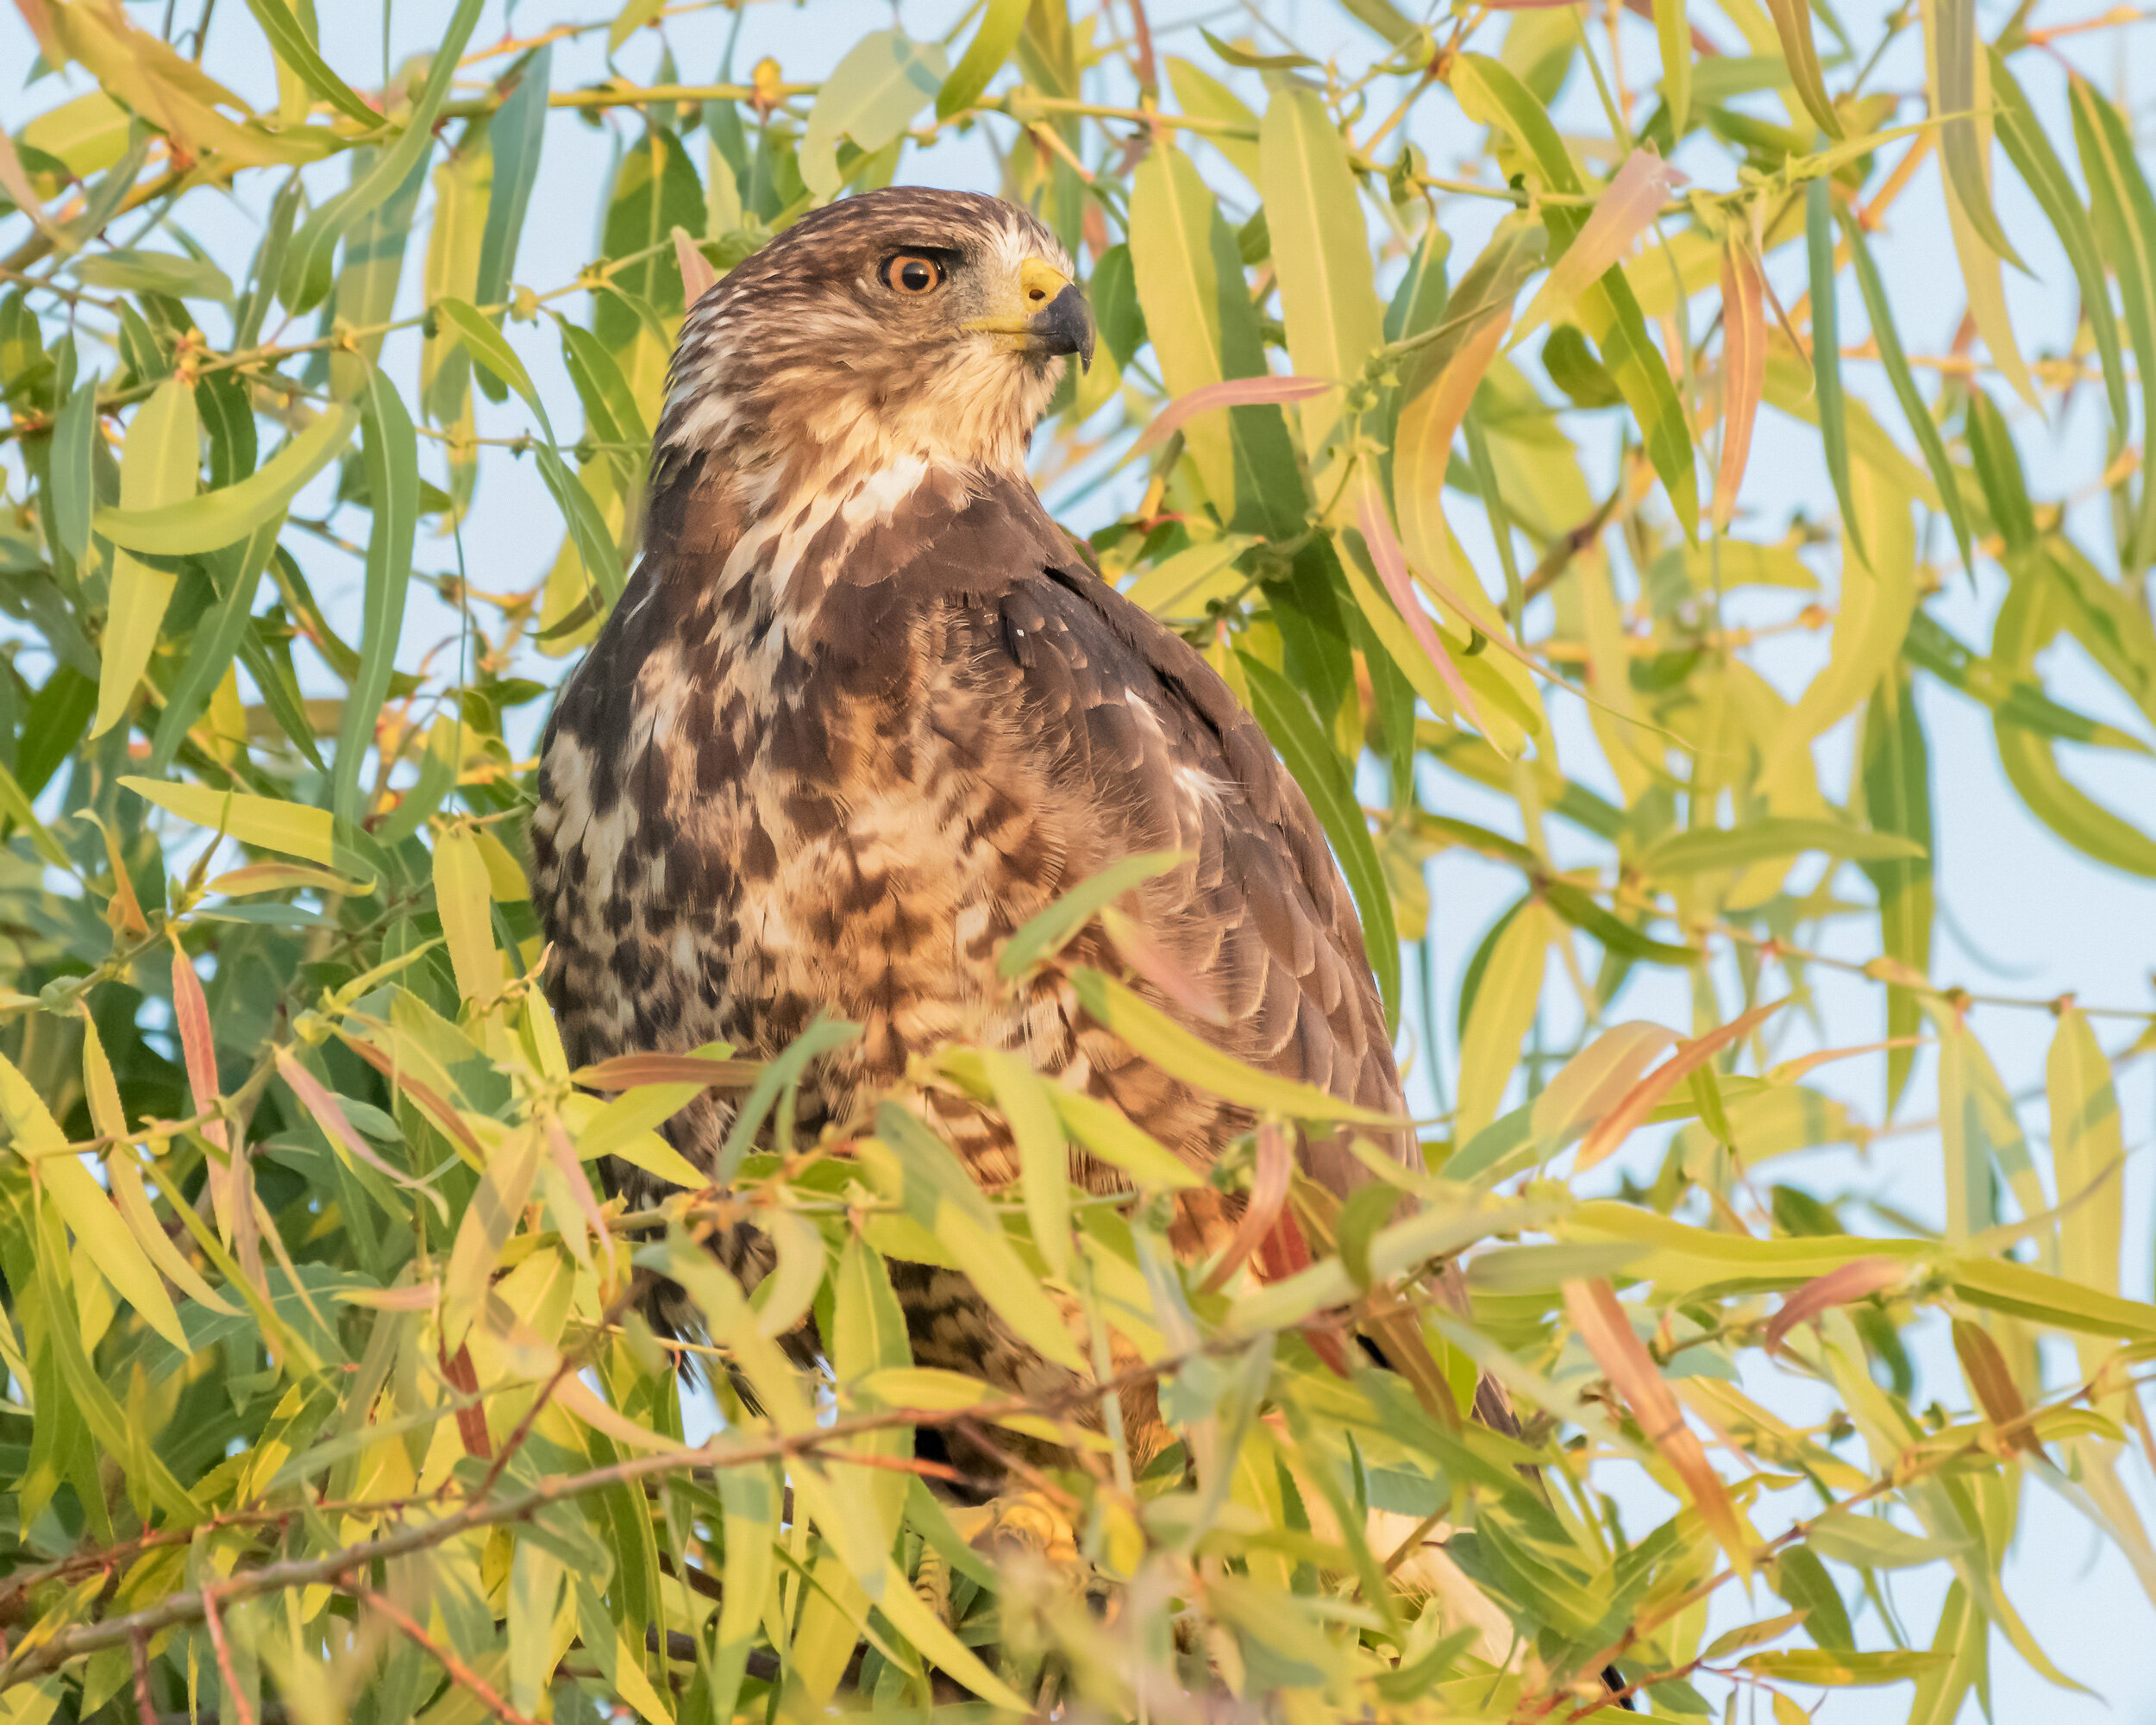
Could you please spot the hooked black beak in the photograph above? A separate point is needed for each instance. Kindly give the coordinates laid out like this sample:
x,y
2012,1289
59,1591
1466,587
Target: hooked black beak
x,y
1066,327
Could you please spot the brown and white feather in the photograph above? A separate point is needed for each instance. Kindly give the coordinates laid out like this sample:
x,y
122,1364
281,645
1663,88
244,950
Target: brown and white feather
x,y
864,709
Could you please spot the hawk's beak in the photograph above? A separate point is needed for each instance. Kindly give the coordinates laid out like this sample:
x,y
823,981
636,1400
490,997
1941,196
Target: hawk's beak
x,y
1052,316
1066,326
1061,317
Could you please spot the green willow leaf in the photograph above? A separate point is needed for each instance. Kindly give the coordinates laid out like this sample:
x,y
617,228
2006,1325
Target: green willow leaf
x,y
158,467
1894,787
1705,849
1800,52
1895,363
1326,781
2038,163
390,451
125,269
869,1334
1606,308
463,185
2001,1285
1979,1132
1998,469
777,1079
1833,427
295,47
2023,626
1258,62
237,573
516,136
1022,1097
595,541
941,1195
306,278
1673,32
1322,252
1203,97
218,518
226,408
2124,216
1961,101
749,1494
984,57
1837,1668
1203,330
610,405
1150,1033
1047,932
2087,1148
1931,647
871,96
1496,1015
266,269
68,483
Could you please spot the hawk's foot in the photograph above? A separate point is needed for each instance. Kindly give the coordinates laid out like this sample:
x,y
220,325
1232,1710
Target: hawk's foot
x,y
1020,1524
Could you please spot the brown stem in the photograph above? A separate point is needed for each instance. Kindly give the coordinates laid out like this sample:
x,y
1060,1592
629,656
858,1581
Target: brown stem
x,y
460,1673
241,1709
140,1646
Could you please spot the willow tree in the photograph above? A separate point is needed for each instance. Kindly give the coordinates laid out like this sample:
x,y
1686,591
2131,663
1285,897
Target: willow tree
x,y
1425,398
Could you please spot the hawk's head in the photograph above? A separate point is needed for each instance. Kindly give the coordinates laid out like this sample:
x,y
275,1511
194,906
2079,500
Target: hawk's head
x,y
906,324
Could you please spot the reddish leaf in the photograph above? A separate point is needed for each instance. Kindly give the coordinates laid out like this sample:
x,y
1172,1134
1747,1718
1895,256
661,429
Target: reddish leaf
x,y
1255,391
1148,959
697,274
626,1071
125,912
1269,1199
1992,1380
191,1011
1640,1101
1743,370
445,1117
564,1156
1600,1318
457,1368
329,1114
1621,215
1392,569
1858,1279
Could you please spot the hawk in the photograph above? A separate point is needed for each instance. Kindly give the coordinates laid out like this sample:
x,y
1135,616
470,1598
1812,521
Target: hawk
x,y
864,709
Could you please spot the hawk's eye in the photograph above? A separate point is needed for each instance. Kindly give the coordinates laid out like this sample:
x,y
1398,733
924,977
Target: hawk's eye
x,y
912,274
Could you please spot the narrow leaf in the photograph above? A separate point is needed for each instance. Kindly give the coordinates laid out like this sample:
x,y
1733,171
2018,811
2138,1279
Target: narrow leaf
x,y
157,466
1601,1319
1641,1101
1833,426
1743,370
1621,215
224,517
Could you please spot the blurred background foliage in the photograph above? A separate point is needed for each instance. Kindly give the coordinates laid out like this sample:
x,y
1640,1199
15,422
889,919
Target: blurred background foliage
x,y
324,1398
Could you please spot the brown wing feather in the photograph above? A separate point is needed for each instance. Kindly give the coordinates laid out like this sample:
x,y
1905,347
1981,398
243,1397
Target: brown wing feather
x,y
1149,748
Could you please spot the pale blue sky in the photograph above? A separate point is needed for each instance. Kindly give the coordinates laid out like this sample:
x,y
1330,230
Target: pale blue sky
x,y
2047,918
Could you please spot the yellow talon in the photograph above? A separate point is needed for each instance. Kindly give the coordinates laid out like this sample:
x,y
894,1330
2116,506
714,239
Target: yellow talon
x,y
932,1583
1021,1523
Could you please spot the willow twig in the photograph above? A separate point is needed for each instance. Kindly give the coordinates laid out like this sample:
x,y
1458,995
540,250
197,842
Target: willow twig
x,y
460,1673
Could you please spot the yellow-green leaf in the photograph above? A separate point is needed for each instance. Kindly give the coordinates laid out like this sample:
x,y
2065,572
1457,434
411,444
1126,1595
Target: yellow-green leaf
x,y
288,828
1322,253
158,467
1151,1033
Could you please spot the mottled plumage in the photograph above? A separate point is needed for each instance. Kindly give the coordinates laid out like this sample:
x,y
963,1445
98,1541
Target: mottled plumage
x,y
864,709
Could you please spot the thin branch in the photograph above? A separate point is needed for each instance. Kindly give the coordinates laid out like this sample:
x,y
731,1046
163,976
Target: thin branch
x,y
241,1709
460,1673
